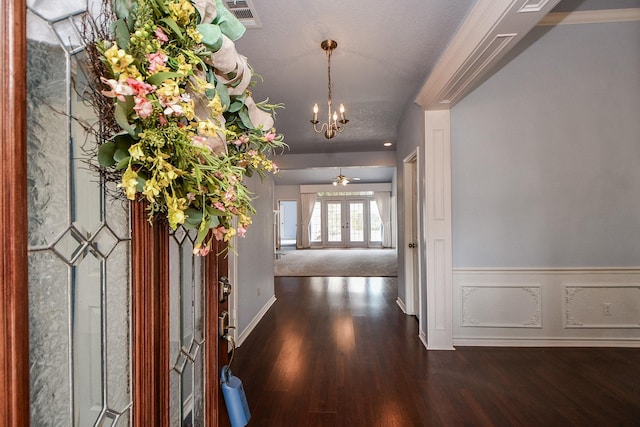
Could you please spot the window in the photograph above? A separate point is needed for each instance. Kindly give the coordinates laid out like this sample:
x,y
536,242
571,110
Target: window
x,y
376,222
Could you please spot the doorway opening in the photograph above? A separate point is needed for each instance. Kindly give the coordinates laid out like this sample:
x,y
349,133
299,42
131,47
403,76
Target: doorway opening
x,y
287,224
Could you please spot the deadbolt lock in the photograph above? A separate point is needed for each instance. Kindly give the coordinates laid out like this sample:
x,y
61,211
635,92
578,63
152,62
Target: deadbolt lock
x,y
224,288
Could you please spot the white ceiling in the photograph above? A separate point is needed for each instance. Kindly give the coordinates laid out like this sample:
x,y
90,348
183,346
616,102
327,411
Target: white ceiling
x,y
386,49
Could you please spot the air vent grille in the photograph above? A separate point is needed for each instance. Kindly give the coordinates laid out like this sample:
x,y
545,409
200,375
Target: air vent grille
x,y
244,11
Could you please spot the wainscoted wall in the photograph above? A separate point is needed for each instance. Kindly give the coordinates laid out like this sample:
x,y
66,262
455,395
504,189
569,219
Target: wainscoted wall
x,y
547,307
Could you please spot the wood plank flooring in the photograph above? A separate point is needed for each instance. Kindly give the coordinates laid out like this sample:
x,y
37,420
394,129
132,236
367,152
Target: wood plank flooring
x,y
339,352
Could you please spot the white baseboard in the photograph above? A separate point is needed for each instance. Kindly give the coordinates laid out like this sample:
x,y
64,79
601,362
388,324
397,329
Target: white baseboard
x,y
254,322
402,305
544,342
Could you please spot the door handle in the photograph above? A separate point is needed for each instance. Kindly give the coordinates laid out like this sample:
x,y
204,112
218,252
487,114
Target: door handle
x,y
412,245
223,324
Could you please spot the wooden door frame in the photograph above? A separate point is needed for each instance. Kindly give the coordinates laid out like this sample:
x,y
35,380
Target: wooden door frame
x,y
14,285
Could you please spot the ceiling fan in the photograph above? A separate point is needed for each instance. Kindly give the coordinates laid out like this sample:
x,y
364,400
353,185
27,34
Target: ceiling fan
x,y
343,180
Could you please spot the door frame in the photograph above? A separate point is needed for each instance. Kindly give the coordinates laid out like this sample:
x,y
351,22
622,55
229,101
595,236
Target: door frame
x,y
14,284
413,281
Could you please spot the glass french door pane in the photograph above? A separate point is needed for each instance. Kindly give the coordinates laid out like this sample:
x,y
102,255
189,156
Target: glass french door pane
x,y
79,253
375,222
334,222
356,221
315,224
186,331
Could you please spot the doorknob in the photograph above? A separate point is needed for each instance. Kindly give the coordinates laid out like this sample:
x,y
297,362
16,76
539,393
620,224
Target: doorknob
x,y
224,288
412,245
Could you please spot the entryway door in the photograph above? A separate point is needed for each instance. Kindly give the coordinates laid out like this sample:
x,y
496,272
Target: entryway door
x,y
123,318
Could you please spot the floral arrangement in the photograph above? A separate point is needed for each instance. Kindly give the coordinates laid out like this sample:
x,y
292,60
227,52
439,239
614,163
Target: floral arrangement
x,y
185,128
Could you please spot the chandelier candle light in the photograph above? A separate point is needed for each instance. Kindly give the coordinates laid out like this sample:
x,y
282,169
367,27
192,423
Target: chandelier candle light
x,y
331,128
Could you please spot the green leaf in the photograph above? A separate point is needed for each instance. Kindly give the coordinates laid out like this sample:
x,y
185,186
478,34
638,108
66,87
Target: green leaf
x,y
193,215
244,116
204,229
141,183
235,106
123,140
229,24
121,34
121,115
121,8
120,154
123,164
173,26
105,154
211,36
223,93
157,78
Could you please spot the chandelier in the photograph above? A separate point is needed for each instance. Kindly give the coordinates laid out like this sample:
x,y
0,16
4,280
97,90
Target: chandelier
x,y
340,180
333,126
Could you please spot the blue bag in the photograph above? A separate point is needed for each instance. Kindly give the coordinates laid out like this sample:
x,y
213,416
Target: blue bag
x,y
234,398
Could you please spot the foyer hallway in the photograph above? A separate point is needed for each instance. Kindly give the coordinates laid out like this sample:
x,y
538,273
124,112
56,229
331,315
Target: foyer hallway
x,y
339,352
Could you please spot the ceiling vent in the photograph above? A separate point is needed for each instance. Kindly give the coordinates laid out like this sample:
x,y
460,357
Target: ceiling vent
x,y
244,10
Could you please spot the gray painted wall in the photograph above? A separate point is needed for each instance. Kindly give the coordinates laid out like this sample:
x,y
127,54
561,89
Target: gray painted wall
x,y
255,255
546,154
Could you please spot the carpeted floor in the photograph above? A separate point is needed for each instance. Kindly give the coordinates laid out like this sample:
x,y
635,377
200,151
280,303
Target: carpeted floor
x,y
337,262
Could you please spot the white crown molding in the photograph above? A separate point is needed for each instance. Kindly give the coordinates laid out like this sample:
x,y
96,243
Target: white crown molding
x,y
591,17
490,30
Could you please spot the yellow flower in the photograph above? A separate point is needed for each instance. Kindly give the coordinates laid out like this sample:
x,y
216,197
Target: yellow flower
x,y
151,189
176,207
136,152
181,11
129,183
215,105
183,66
194,34
170,88
188,109
118,59
207,128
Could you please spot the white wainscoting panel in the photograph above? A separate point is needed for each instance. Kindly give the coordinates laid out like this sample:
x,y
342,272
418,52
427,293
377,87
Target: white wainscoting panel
x,y
602,306
598,307
501,305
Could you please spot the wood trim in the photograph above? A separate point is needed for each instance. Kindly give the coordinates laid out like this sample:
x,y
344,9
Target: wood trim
x,y
150,318
216,354
14,284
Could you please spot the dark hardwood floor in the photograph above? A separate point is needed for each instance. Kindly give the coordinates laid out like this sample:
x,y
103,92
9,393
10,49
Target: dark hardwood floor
x,y
339,352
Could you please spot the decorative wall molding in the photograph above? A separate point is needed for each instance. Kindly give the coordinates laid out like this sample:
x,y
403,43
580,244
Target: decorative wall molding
x,y
601,305
402,305
520,305
595,307
591,17
544,342
490,30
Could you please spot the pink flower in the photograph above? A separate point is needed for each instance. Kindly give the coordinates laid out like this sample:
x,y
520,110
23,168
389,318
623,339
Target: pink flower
x,y
191,197
252,153
161,36
230,195
201,250
140,88
118,89
143,107
156,60
218,232
219,206
270,137
242,230
244,139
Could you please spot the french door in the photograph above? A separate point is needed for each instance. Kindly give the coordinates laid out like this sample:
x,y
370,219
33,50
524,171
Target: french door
x,y
120,326
345,222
